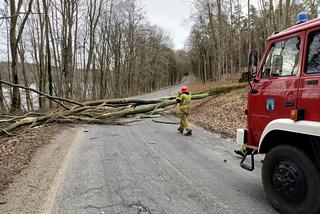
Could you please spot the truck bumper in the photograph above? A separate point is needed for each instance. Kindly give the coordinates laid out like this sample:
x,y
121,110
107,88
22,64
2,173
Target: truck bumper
x,y
241,136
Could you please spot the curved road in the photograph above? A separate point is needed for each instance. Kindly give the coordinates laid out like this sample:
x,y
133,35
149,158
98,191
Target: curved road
x,y
148,167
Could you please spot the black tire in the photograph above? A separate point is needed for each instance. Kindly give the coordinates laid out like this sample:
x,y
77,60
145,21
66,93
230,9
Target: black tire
x,y
291,181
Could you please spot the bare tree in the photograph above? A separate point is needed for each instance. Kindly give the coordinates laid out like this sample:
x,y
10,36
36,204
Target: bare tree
x,y
223,33
85,49
93,16
15,38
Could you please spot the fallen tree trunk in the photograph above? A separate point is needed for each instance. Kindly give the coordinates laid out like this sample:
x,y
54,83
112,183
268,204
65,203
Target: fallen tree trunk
x,y
122,101
109,111
137,110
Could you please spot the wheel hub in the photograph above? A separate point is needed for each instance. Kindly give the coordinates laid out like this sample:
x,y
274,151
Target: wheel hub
x,y
288,181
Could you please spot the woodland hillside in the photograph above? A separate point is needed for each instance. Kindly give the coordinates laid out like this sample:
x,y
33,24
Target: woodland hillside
x,y
96,49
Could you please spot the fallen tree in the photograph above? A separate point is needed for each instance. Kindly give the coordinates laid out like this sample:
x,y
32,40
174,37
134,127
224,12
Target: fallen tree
x,y
109,111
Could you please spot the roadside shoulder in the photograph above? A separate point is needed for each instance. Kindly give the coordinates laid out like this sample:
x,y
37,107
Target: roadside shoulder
x,y
30,189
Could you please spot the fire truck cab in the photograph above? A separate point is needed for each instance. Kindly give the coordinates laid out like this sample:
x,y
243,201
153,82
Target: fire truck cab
x,y
283,119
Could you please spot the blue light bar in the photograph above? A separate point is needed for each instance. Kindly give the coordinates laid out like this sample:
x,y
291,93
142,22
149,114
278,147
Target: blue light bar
x,y
302,17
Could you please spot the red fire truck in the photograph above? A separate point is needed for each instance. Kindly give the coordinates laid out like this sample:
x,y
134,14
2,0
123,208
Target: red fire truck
x,y
283,118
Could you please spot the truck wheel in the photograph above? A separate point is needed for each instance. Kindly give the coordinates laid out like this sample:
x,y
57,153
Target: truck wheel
x,y
291,181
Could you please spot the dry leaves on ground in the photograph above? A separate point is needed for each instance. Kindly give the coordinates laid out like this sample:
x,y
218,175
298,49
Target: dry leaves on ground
x,y
223,114
16,151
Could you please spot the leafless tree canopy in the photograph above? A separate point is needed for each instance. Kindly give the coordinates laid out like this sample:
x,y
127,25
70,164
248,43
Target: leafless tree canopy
x,y
84,50
96,49
224,31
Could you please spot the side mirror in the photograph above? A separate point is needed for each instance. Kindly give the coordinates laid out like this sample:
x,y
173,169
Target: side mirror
x,y
252,62
277,63
253,59
277,60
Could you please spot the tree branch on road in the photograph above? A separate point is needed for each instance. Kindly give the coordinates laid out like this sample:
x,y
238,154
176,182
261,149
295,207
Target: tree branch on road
x,y
112,111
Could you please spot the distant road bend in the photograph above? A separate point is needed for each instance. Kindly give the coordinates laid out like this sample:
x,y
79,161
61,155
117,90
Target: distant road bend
x,y
148,167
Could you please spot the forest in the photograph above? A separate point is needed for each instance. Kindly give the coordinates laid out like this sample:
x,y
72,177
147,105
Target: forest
x,y
96,49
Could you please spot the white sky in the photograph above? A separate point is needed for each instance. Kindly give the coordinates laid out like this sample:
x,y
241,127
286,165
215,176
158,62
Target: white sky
x,y
172,16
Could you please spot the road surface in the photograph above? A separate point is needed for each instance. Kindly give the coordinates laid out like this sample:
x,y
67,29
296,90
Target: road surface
x,y
148,167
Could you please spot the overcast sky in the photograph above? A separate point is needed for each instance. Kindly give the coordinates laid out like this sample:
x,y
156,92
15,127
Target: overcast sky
x,y
172,16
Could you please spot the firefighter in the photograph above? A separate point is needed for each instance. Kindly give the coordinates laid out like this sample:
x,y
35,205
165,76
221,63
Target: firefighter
x,y
183,100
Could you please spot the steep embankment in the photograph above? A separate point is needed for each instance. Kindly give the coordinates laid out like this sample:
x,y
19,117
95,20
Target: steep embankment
x,y
223,113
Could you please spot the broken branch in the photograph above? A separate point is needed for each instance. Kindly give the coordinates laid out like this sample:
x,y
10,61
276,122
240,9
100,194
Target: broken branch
x,y
53,98
100,111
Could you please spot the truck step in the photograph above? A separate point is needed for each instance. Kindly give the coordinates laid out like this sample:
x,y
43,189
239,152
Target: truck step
x,y
250,153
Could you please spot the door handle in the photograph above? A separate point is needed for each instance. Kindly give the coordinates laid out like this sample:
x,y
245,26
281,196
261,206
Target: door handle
x,y
312,82
289,104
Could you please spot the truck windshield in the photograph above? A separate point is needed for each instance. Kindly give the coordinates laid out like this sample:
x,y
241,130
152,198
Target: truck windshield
x,y
282,59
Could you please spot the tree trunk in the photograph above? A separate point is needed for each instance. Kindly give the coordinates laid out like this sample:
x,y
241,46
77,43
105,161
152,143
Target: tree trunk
x,y
15,38
2,106
26,82
15,100
48,51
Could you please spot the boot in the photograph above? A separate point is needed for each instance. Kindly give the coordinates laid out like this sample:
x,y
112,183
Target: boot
x,y
180,130
239,152
189,133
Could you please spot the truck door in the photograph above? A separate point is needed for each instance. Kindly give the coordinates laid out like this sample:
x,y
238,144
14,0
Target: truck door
x,y
277,85
309,91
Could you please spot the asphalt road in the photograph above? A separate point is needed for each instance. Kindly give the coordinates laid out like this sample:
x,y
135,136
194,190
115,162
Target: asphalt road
x,y
168,91
148,167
